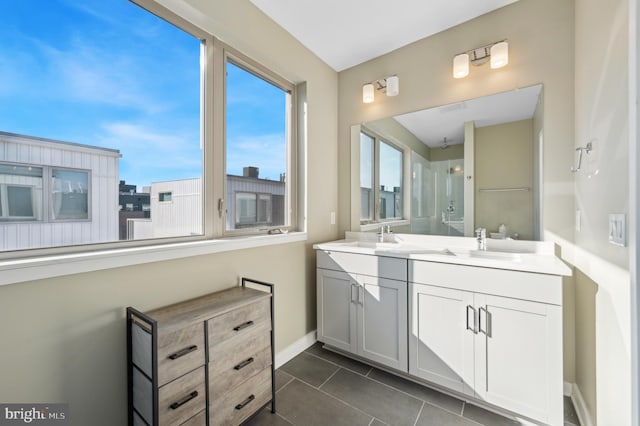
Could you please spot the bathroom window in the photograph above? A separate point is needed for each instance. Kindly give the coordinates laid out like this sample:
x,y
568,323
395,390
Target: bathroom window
x,y
381,179
259,151
207,117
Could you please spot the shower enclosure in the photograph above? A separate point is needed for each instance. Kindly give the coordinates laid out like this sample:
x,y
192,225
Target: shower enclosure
x,y
438,196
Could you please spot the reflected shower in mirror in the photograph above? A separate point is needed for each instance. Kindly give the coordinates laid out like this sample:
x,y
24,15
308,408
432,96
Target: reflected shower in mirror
x,y
472,164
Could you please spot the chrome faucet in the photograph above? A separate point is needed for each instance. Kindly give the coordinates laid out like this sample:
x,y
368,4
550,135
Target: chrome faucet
x,y
382,231
481,236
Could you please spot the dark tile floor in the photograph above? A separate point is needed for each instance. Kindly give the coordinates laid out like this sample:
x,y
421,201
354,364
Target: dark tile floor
x,y
319,387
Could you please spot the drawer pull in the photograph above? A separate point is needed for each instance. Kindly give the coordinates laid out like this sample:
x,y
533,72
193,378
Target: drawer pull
x,y
245,402
184,400
183,352
243,326
243,364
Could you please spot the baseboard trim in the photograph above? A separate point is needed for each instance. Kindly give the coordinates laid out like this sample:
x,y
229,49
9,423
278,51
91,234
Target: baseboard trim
x,y
572,390
291,351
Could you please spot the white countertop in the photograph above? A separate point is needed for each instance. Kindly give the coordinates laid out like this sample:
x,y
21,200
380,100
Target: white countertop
x,y
527,256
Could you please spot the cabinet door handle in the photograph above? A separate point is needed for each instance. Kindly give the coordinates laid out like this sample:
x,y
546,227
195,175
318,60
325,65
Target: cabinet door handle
x,y
243,364
353,298
487,321
183,352
184,400
474,329
361,292
243,326
245,402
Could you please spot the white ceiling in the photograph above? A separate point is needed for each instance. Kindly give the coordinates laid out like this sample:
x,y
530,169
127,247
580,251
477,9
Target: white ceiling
x,y
432,125
344,33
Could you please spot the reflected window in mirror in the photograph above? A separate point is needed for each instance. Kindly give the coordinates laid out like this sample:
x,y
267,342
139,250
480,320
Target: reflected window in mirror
x,y
390,182
366,178
381,179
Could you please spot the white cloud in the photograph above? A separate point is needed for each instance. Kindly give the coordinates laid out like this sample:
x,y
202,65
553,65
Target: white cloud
x,y
267,152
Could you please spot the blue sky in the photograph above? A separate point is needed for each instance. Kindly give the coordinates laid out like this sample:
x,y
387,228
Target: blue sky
x,y
108,73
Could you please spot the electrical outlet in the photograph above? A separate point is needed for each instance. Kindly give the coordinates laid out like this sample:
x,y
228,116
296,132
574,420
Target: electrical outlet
x,y
332,218
617,229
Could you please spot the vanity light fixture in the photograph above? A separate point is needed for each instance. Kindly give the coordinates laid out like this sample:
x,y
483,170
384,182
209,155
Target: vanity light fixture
x,y
497,52
389,85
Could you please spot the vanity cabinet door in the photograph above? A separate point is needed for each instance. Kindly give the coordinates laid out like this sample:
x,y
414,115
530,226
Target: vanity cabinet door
x,y
382,321
519,356
441,336
337,294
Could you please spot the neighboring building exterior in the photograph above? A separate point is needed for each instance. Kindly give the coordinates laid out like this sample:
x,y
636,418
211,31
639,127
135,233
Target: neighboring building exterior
x,y
176,206
133,205
253,201
55,193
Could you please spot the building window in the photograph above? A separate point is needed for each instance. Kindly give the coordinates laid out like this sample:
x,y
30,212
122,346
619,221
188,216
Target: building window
x,y
69,194
381,179
164,197
259,153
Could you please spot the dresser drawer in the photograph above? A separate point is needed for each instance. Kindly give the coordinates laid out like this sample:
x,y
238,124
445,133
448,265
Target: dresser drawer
x,y
183,398
239,322
233,369
180,352
239,403
199,419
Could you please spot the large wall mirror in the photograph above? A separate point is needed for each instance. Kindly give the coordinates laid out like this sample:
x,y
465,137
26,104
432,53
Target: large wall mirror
x,y
471,164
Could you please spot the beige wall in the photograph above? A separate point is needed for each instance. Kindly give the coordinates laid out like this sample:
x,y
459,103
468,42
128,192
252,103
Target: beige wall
x,y
603,360
535,29
454,152
63,339
503,159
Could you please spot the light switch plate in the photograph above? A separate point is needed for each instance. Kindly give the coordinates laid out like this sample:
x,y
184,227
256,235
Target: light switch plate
x,y
618,229
332,218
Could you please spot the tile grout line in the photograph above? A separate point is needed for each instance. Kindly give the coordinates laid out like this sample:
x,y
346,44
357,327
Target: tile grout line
x,y
419,414
339,365
341,401
387,385
329,378
289,381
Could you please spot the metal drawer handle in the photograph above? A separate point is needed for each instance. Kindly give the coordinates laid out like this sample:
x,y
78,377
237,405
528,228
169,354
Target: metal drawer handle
x,y
242,326
243,364
245,402
184,400
183,352
474,328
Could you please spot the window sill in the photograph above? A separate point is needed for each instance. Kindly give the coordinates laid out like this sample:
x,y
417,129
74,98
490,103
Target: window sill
x,y
21,270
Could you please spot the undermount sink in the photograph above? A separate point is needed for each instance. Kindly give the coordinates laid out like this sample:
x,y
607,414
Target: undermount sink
x,y
498,255
398,248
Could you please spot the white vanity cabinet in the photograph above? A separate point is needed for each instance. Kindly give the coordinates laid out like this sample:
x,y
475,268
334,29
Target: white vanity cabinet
x,y
505,350
362,306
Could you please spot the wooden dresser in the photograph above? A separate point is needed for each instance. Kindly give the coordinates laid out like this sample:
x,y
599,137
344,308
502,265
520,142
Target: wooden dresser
x,y
205,361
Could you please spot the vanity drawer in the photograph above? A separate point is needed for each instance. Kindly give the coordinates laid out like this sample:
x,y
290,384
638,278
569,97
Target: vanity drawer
x,y
183,398
237,404
180,352
240,322
233,369
364,264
